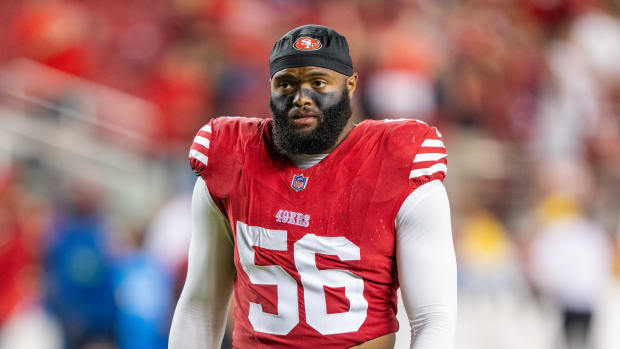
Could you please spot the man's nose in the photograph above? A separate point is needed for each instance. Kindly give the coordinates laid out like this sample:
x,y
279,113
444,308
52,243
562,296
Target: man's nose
x,y
302,98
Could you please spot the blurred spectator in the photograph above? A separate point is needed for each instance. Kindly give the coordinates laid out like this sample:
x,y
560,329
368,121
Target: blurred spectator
x,y
31,327
17,255
487,258
21,310
143,290
180,87
404,68
493,71
55,33
169,233
570,265
79,288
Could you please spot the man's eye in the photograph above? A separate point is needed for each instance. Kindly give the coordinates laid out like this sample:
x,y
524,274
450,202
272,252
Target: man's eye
x,y
285,84
318,83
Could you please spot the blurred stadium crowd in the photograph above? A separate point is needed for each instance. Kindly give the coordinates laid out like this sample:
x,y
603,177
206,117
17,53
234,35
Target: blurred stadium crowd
x,y
99,102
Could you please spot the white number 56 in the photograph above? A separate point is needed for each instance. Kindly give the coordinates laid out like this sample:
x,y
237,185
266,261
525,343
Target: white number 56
x,y
312,280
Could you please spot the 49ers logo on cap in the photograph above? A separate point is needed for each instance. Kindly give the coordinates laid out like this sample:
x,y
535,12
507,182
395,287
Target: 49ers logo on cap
x,y
305,43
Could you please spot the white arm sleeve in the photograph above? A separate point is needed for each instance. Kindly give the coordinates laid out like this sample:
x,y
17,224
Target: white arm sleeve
x,y
427,266
200,316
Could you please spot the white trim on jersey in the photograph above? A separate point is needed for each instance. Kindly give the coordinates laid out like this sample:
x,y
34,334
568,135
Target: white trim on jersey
x,y
429,171
429,157
206,128
433,143
403,119
193,153
202,141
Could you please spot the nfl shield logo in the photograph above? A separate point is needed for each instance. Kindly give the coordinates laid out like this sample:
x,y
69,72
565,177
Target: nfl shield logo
x,y
299,182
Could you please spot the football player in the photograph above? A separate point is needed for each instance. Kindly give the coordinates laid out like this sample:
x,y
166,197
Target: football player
x,y
313,222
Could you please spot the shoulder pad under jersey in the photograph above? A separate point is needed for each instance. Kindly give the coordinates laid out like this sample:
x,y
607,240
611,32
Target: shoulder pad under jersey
x,y
217,152
419,144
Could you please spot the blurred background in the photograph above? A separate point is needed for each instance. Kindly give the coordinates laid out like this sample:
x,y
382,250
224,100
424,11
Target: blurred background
x,y
100,100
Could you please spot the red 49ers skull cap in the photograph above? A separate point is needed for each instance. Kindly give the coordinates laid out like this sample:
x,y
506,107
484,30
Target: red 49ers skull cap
x,y
311,45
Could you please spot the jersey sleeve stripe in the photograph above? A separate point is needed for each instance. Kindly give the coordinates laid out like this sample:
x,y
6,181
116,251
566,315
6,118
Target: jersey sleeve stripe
x,y
206,128
200,148
195,154
432,150
429,157
202,141
426,164
429,171
433,143
204,134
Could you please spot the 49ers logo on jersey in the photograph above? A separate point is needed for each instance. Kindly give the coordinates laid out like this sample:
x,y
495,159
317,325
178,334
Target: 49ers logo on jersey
x,y
300,219
306,43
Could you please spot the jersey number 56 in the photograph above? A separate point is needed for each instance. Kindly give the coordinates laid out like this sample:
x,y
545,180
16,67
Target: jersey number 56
x,y
312,280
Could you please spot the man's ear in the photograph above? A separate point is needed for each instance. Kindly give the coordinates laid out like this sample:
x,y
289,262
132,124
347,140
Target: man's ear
x,y
351,84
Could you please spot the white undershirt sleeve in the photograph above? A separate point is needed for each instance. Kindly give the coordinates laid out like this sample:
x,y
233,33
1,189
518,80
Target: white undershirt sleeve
x,y
427,266
200,316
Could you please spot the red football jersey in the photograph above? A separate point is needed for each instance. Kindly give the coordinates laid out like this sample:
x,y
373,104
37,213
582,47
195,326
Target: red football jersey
x,y
315,248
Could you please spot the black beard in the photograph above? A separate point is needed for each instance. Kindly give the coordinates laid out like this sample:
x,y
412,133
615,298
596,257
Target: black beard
x,y
317,141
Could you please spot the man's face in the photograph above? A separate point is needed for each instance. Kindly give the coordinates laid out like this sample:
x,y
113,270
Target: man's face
x,y
311,107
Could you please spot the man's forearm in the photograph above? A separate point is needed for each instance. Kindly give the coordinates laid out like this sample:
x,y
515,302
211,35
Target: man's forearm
x,y
200,316
197,325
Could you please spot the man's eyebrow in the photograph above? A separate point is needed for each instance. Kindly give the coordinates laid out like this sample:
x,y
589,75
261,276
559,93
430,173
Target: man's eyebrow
x,y
285,76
